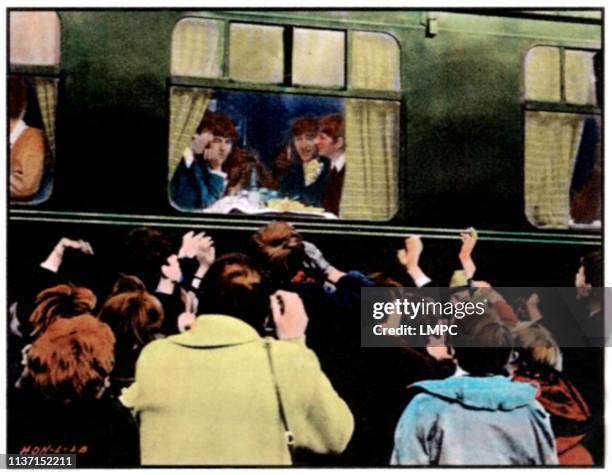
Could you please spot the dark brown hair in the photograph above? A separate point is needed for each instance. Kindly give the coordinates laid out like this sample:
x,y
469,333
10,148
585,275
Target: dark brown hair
x,y
233,286
593,268
304,125
219,125
128,283
279,248
288,153
135,317
485,350
145,251
332,125
207,122
17,97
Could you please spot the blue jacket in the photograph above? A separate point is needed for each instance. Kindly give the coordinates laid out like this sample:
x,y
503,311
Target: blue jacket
x,y
467,420
293,186
195,187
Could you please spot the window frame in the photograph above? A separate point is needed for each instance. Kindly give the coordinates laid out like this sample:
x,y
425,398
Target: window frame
x,y
53,71
226,82
346,92
561,106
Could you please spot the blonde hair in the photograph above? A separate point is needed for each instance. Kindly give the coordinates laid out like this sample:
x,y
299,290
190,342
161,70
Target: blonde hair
x,y
536,344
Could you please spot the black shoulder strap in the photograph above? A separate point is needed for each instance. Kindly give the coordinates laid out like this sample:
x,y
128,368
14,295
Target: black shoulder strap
x,y
289,439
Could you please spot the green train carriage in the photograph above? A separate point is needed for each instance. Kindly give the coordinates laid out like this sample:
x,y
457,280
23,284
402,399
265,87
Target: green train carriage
x,y
470,125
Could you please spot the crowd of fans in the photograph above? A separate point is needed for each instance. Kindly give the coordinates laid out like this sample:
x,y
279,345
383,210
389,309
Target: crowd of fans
x,y
254,358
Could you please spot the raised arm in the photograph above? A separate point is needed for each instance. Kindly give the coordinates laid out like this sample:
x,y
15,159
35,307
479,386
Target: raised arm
x,y
317,258
409,257
468,240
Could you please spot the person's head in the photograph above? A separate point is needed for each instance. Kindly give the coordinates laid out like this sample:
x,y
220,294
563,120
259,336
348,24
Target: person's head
x,y
233,286
330,136
279,249
145,251
204,133
72,360
17,97
128,283
61,301
135,317
590,273
484,349
537,347
82,269
224,137
304,133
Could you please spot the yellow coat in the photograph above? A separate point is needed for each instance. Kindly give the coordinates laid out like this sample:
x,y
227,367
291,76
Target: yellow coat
x,y
206,397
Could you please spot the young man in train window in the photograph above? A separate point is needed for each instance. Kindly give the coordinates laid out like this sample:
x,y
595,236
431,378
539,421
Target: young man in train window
x,y
199,180
300,173
331,144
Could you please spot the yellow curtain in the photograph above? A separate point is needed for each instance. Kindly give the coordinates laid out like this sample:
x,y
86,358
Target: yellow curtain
x,y
580,77
551,144
197,48
187,107
46,92
543,74
256,53
372,160
375,62
318,57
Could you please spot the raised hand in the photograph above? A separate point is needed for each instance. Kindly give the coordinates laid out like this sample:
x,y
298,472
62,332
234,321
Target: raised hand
x,y
55,258
468,240
205,250
190,244
288,314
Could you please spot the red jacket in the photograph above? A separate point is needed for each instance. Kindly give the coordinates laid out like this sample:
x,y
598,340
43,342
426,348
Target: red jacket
x,y
570,415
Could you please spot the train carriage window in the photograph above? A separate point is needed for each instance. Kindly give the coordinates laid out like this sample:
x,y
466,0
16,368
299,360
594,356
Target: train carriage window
x,y
34,38
542,78
32,103
197,48
265,144
375,61
256,53
563,169
318,57
580,81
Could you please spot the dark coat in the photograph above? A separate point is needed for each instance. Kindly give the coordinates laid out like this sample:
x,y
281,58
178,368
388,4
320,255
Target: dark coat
x,y
195,187
292,184
101,433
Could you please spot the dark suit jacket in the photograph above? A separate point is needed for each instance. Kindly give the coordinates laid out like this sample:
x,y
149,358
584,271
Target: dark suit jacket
x,y
195,187
293,186
333,191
